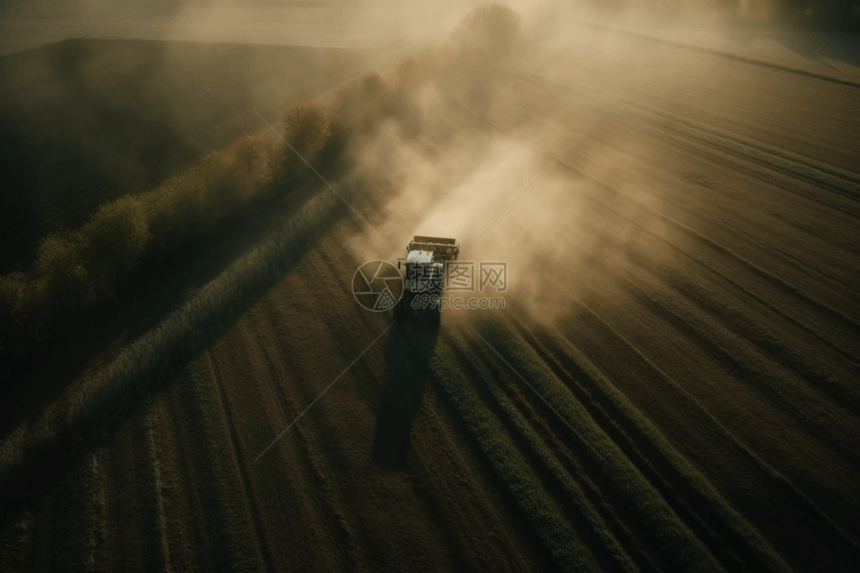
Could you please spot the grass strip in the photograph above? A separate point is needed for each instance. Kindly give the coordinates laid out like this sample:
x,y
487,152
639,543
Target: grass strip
x,y
682,548
765,555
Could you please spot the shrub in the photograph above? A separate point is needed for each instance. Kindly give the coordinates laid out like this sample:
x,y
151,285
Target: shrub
x,y
307,131
115,239
59,287
252,166
173,209
483,46
359,110
407,74
489,30
61,270
13,290
221,186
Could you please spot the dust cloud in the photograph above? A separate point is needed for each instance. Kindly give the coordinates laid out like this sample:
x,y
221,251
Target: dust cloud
x,y
485,185
494,189
459,174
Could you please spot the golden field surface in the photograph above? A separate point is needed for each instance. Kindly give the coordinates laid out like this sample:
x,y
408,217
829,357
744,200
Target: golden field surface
x,y
672,385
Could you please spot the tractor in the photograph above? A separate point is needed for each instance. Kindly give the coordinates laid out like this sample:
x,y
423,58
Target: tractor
x,y
424,277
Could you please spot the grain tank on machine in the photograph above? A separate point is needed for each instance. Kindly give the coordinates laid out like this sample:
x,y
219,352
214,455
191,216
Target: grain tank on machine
x,y
424,276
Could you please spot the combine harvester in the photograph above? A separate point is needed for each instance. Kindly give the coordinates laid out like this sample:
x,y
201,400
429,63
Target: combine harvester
x,y
425,276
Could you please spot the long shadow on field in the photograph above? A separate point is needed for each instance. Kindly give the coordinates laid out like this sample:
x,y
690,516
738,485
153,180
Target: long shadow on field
x,y
407,354
143,376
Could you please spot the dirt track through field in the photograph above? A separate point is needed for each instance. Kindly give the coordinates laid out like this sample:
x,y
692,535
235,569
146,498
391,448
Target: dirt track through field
x,y
700,330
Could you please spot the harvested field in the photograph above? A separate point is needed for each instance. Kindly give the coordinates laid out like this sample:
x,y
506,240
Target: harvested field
x,y
672,385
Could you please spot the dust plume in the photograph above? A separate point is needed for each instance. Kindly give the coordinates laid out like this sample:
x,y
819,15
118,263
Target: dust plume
x,y
473,114
467,177
494,189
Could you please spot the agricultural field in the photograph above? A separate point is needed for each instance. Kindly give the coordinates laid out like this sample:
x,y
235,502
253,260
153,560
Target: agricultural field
x,y
673,383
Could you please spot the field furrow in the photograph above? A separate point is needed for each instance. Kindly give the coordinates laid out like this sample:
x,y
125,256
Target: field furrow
x,y
666,377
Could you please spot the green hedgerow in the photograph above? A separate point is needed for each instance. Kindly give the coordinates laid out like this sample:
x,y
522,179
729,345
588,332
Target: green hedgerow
x,y
59,287
173,208
115,239
307,129
359,110
75,271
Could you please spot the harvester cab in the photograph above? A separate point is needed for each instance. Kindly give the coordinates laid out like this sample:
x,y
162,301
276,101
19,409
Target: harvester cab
x,y
424,276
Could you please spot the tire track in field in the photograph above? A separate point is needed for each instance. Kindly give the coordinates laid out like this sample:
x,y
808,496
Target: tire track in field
x,y
680,156
697,515
525,489
752,372
182,443
127,514
316,466
701,294
340,535
837,541
743,153
807,369
494,511
807,210
152,452
577,474
688,154
136,530
692,137
836,317
560,473
779,156
767,207
852,326
692,496
774,359
652,115
260,541
817,194
80,529
722,250
185,491
820,174
67,528
642,101
841,183
200,469
679,546
732,352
